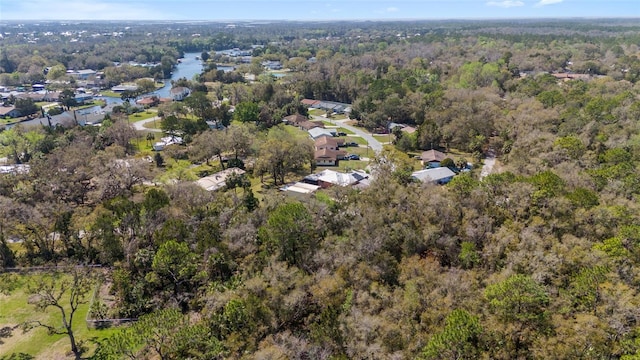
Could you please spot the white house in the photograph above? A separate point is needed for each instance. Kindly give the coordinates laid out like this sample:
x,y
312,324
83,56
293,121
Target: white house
x,y
179,93
441,175
218,180
166,141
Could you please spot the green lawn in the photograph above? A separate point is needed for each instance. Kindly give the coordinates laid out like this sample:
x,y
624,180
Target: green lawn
x,y
346,131
383,138
15,309
91,104
110,93
328,123
142,116
356,139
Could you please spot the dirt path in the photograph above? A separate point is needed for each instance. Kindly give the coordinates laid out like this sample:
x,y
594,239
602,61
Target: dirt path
x,y
489,163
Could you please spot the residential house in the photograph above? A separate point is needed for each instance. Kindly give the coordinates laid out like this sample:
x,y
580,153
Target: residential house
x,y
408,129
432,158
123,88
82,98
571,76
83,74
272,65
316,133
331,143
328,178
310,103
331,106
308,125
166,141
300,188
326,157
148,101
51,96
9,111
179,93
440,175
15,169
215,125
294,119
218,180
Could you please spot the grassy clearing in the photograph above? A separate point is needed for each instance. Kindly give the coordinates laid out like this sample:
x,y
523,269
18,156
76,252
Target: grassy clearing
x,y
144,146
142,116
15,309
383,138
328,123
152,125
361,151
7,121
90,104
356,139
110,93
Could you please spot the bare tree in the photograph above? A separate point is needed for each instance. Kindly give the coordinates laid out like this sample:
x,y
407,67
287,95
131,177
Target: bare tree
x,y
65,291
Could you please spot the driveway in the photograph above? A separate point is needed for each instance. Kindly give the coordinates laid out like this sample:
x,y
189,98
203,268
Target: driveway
x,y
139,125
373,143
489,163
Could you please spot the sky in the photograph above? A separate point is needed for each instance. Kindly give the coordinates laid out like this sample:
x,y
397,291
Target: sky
x,y
311,9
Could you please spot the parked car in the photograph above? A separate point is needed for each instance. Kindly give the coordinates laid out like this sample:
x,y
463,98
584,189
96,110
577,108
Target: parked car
x,y
342,134
352,157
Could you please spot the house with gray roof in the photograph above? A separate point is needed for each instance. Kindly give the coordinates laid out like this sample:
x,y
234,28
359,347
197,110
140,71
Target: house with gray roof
x,y
441,175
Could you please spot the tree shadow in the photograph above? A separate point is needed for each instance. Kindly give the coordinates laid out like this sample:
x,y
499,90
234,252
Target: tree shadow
x,y
17,356
5,332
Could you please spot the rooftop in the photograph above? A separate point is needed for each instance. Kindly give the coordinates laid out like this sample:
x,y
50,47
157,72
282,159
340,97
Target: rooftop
x,y
218,180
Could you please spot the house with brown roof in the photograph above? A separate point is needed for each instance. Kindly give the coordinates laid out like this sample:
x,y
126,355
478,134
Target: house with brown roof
x,y
308,125
432,158
302,122
294,119
326,157
325,142
9,111
310,102
148,101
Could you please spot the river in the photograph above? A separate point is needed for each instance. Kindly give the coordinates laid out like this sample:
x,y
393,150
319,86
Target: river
x,y
187,68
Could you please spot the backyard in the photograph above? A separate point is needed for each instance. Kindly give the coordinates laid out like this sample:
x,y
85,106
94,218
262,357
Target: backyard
x,y
37,343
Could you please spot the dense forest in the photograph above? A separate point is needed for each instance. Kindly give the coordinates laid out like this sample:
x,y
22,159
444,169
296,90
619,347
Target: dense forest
x,y
538,260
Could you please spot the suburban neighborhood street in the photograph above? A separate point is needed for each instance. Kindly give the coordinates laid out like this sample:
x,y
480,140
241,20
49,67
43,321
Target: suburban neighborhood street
x,y
373,143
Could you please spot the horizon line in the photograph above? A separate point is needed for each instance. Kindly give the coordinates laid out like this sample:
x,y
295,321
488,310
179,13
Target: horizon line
x,y
636,17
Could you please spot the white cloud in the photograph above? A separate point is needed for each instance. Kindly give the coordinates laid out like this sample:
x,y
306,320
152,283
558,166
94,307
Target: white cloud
x,y
548,2
506,3
392,9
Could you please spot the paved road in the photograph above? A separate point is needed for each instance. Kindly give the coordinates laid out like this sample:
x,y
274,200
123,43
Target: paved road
x,y
140,124
373,143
